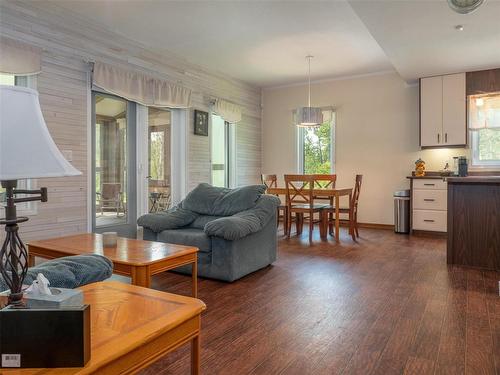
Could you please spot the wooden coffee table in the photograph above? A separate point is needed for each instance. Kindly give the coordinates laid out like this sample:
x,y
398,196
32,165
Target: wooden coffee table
x,y
137,259
132,327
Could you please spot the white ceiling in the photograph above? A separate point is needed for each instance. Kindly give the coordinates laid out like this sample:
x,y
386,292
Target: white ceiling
x,y
264,42
260,42
420,39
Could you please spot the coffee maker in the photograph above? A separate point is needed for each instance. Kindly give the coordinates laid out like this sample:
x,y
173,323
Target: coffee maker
x,y
460,166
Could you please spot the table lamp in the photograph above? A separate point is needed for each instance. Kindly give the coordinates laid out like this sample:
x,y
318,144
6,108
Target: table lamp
x,y
26,151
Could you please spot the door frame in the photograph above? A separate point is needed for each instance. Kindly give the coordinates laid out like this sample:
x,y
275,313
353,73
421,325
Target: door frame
x,y
128,229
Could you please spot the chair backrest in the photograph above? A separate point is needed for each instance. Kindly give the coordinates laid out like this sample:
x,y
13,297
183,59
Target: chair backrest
x,y
110,190
299,189
270,180
325,181
357,190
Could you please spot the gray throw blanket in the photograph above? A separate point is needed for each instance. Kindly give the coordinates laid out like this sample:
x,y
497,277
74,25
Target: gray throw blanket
x,y
70,272
236,213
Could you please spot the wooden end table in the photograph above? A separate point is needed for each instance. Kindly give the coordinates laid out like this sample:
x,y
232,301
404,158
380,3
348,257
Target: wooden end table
x,y
137,259
132,327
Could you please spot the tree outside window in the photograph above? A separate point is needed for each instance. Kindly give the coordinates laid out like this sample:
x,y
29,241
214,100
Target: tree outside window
x,y
316,146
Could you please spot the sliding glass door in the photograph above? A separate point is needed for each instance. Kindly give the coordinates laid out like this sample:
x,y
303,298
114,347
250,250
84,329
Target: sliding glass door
x,y
113,163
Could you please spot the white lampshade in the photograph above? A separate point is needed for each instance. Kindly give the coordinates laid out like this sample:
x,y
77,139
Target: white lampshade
x,y
26,148
309,117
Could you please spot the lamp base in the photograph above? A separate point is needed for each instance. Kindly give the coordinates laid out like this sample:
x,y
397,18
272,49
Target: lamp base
x,y
13,253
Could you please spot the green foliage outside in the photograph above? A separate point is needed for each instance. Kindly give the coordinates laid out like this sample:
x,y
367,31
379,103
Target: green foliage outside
x,y
157,157
317,149
489,144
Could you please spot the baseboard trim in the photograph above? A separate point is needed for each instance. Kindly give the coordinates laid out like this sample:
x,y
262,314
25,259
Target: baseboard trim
x,y
345,223
428,233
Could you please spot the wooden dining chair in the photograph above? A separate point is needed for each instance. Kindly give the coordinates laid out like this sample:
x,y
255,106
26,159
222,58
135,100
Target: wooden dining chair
x,y
271,181
353,222
325,181
354,204
300,200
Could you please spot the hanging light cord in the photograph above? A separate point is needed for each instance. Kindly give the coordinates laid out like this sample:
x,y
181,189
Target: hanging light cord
x,y
309,57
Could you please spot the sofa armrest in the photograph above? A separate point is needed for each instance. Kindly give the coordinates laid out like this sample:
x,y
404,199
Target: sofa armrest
x,y
174,218
246,222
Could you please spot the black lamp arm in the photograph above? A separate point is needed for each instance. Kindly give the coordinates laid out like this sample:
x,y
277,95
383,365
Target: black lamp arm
x,y
42,197
11,191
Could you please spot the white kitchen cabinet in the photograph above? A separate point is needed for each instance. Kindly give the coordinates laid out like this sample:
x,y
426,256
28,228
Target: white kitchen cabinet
x,y
443,111
431,111
429,204
454,110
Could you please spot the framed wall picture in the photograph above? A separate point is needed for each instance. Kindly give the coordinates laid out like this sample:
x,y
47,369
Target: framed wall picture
x,y
200,122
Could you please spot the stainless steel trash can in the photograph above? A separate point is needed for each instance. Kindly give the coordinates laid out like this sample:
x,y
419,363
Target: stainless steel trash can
x,y
402,211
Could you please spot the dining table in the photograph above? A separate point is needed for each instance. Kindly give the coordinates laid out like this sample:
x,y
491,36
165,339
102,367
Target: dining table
x,y
329,192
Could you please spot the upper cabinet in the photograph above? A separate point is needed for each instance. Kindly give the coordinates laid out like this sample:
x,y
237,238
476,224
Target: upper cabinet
x,y
443,111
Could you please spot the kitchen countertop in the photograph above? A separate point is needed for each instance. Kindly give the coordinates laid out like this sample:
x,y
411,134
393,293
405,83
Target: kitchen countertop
x,y
474,180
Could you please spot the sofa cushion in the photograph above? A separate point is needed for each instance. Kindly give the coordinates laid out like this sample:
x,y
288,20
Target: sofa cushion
x,y
187,236
245,222
202,220
173,218
206,199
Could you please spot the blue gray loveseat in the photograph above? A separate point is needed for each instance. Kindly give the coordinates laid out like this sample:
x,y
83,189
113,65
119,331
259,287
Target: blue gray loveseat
x,y
234,229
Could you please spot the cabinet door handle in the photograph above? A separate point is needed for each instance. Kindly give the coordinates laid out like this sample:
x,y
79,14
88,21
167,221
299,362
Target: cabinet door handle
x,y
438,137
445,137
429,184
428,220
429,200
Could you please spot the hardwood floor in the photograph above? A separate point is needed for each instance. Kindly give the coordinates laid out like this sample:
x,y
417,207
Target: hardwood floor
x,y
388,304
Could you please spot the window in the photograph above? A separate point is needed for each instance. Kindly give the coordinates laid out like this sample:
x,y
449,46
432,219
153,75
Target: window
x,y
484,119
220,141
27,208
316,146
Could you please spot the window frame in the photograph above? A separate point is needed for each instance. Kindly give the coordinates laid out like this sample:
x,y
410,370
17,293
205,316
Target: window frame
x,y
24,208
300,141
474,140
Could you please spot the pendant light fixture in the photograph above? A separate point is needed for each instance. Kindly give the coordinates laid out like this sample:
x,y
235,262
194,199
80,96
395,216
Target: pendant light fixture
x,y
308,117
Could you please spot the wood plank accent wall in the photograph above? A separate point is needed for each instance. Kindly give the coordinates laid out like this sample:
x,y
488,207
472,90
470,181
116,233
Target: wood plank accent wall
x,y
68,41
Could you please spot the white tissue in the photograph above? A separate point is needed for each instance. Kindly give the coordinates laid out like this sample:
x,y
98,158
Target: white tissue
x,y
40,286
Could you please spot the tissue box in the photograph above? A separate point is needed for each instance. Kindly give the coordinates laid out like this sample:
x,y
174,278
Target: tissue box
x,y
44,338
61,297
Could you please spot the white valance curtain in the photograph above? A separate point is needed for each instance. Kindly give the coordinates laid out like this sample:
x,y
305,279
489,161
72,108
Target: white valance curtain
x,y
19,58
140,88
230,112
484,112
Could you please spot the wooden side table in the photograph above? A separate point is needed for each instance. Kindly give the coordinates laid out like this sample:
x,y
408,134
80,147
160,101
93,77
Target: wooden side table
x,y
137,259
132,327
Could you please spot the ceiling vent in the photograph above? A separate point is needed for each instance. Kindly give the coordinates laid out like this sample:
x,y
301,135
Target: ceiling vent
x,y
464,6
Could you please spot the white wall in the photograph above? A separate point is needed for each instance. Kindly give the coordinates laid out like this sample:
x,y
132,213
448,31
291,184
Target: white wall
x,y
377,136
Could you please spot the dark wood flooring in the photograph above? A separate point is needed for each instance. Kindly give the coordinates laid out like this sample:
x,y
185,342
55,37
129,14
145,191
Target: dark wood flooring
x,y
387,304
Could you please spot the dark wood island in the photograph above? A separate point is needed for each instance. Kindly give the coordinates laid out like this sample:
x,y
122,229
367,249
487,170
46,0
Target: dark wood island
x,y
474,221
